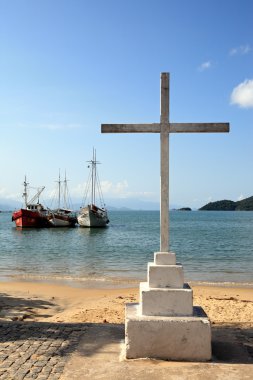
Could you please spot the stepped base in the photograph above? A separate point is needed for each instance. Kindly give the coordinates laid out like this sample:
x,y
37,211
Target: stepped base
x,y
165,276
165,258
165,301
170,338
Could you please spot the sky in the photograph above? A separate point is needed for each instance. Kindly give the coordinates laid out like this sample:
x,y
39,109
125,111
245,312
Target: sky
x,y
68,66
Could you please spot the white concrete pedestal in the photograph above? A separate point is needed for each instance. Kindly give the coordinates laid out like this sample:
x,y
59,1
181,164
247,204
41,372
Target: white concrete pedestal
x,y
165,325
164,301
170,338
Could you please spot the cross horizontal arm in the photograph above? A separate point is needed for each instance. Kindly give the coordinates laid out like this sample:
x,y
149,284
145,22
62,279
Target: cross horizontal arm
x,y
130,128
199,127
171,127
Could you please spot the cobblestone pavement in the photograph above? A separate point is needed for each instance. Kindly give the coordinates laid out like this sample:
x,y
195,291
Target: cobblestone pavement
x,y
33,350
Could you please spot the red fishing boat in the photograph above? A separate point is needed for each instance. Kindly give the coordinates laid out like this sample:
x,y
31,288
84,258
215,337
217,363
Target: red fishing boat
x,y
33,214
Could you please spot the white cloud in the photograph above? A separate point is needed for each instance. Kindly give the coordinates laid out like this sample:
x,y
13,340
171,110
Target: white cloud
x,y
242,95
76,192
241,197
120,188
5,194
117,190
241,50
205,66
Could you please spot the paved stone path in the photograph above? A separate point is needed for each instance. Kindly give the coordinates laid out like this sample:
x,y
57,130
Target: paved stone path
x,y
65,351
33,350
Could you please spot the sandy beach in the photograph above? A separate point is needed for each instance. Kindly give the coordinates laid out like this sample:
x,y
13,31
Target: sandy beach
x,y
230,309
46,302
43,302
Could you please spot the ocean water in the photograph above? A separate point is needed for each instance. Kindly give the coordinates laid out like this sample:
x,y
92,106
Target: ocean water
x,y
212,246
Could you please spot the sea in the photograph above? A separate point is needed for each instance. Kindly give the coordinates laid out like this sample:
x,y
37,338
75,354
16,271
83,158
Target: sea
x,y
212,246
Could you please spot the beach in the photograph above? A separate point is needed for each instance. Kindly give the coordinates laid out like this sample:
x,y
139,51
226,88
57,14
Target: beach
x,y
99,314
52,302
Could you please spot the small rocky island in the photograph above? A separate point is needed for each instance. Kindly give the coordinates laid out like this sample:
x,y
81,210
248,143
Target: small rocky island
x,y
226,205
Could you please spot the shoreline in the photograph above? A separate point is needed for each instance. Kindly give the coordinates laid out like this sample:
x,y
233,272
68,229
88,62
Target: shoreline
x,y
107,282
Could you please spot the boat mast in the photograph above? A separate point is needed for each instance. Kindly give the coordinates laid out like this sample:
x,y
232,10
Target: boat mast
x,y
93,173
93,177
59,190
65,192
25,191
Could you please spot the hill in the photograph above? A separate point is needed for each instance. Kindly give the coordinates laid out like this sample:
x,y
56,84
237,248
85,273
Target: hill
x,y
10,206
226,205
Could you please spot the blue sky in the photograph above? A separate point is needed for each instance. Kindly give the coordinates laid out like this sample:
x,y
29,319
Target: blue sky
x,y
68,66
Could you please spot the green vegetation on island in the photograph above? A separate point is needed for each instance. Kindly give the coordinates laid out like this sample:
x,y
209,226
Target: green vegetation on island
x,y
226,205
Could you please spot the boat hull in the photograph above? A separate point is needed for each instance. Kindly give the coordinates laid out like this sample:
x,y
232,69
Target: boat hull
x,y
92,216
25,218
62,220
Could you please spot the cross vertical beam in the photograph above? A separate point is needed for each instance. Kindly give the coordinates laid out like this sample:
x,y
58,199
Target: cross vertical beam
x,y
164,164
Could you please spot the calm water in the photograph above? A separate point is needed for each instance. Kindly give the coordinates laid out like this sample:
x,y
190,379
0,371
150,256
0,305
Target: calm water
x,y
212,246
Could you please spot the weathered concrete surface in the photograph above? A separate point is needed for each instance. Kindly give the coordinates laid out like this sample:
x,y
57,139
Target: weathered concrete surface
x,y
99,357
165,301
170,338
165,258
165,276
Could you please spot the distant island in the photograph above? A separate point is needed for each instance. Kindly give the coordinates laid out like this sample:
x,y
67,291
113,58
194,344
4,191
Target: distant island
x,y
185,209
226,205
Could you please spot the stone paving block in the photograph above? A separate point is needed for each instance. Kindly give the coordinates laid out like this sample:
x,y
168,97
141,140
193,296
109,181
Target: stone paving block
x,y
32,350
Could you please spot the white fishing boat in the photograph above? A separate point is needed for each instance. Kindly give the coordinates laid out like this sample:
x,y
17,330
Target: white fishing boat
x,y
90,214
62,216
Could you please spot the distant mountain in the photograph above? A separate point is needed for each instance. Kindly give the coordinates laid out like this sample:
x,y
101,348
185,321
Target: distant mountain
x,y
226,205
132,203
112,208
9,205
119,204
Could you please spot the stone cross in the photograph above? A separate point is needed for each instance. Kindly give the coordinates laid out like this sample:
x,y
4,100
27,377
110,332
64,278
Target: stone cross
x,y
164,128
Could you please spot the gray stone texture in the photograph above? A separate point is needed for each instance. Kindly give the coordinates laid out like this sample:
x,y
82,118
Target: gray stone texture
x,y
33,350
